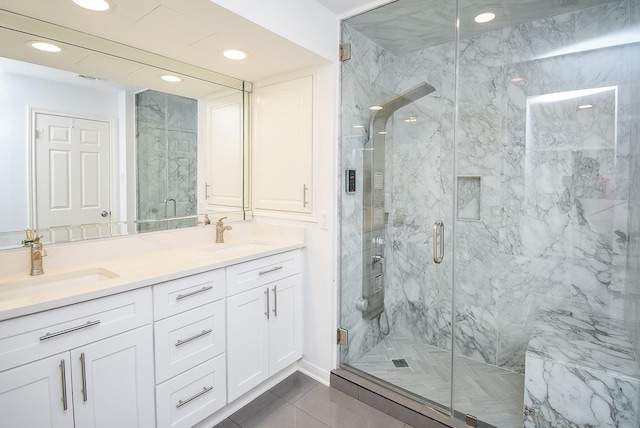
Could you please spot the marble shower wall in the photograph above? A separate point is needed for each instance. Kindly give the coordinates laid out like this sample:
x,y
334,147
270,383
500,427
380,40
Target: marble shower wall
x,y
166,138
554,191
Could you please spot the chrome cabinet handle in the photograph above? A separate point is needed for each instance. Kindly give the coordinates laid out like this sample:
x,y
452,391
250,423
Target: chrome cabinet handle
x,y
193,293
275,300
267,294
193,397
189,339
304,195
264,272
438,250
70,330
84,376
63,371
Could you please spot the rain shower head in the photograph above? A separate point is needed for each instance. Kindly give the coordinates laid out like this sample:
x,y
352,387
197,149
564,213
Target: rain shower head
x,y
380,117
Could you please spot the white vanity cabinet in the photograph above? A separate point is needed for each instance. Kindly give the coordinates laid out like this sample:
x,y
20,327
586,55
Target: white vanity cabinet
x,y
86,364
190,342
264,319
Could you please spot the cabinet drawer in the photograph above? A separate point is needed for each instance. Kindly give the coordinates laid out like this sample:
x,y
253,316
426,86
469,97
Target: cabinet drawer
x,y
187,399
173,297
188,339
245,276
36,336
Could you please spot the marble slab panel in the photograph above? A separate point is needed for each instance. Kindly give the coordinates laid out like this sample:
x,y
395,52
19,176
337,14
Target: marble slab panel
x,y
580,370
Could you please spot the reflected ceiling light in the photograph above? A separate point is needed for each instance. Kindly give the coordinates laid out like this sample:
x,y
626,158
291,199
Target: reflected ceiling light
x,y
382,132
375,108
97,5
517,79
44,46
358,126
235,54
411,119
483,18
171,79
585,106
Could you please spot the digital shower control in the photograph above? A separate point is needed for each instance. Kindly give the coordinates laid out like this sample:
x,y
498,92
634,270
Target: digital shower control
x,y
350,179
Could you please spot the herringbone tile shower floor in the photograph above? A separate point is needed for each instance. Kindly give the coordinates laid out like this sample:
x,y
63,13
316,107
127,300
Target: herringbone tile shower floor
x,y
493,394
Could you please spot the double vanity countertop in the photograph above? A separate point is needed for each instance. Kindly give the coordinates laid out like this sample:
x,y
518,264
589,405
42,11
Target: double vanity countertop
x,y
22,294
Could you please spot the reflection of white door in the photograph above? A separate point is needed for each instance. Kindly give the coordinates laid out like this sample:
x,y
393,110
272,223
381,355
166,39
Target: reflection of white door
x,y
72,156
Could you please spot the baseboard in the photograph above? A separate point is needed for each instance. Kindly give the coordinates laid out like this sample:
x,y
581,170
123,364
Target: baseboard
x,y
314,372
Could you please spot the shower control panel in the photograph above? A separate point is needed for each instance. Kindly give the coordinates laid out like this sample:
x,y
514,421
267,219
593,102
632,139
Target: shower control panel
x,y
350,180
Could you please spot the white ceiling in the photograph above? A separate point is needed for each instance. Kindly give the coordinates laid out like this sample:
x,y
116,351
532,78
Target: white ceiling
x,y
192,31
344,7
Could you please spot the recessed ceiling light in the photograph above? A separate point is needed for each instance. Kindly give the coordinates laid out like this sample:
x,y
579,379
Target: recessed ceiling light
x,y
483,18
235,54
170,78
97,5
375,108
585,106
44,46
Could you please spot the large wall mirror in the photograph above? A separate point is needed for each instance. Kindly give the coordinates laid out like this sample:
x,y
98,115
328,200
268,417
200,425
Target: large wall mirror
x,y
96,144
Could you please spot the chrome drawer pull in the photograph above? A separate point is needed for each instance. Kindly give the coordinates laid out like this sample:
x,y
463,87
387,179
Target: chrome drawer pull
x,y
204,333
64,384
70,330
204,391
263,272
193,293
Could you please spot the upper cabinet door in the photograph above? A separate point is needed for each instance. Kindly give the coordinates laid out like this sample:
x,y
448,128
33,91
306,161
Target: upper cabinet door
x,y
283,147
225,154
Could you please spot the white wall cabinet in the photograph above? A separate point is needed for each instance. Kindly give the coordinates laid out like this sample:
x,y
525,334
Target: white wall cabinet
x,y
225,181
283,147
104,380
264,322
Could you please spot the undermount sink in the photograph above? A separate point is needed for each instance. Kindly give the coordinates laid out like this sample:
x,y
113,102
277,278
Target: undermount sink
x,y
62,280
235,248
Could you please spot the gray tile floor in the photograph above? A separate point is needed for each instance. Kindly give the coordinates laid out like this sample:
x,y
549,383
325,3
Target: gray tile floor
x,y
493,394
301,402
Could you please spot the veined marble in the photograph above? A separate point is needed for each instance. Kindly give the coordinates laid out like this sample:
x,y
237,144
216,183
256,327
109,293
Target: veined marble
x,y
581,370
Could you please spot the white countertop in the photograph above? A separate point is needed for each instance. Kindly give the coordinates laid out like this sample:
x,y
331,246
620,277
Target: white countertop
x,y
22,294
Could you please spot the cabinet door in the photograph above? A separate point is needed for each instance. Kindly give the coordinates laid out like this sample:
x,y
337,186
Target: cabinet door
x,y
113,383
33,395
285,323
247,341
283,146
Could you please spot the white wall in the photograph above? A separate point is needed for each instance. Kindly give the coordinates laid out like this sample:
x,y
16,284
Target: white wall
x,y
304,22
19,93
308,24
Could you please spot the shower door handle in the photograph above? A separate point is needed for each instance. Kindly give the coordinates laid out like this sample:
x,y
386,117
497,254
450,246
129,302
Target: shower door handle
x,y
438,250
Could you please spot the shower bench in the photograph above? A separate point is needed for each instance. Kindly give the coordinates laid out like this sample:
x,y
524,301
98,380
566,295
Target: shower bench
x,y
580,370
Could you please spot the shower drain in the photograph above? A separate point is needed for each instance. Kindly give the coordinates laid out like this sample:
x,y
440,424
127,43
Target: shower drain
x,y
401,362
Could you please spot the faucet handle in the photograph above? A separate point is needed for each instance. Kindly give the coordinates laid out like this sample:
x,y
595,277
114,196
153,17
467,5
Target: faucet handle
x,y
220,220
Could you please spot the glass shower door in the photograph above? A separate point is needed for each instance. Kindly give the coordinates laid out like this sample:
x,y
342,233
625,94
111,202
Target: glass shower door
x,y
397,148
544,166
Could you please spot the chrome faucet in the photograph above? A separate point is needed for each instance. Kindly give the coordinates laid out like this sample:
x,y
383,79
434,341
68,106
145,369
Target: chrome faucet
x,y
220,228
37,252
